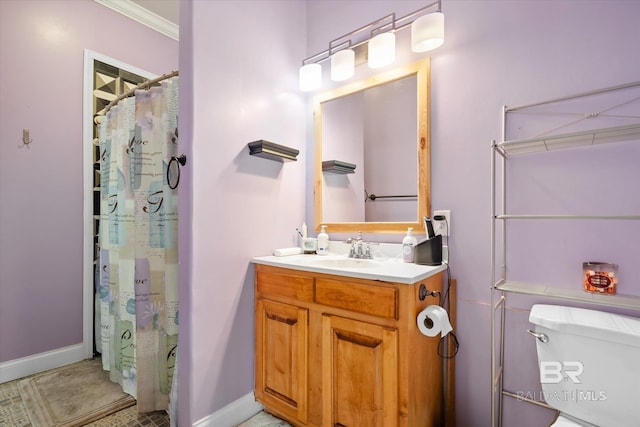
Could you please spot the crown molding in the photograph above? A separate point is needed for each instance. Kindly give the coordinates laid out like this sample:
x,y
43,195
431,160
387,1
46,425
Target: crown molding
x,y
143,16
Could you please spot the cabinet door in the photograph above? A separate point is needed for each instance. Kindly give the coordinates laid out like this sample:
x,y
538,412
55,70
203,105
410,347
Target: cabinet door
x,y
281,358
359,374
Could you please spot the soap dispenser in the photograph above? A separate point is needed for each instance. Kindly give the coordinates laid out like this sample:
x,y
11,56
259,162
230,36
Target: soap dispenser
x,y
323,241
409,246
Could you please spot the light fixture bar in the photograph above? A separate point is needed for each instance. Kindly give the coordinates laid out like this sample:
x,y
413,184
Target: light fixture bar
x,y
346,38
373,28
405,21
427,33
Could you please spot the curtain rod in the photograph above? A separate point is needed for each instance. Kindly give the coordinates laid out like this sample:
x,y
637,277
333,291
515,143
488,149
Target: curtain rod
x,y
143,85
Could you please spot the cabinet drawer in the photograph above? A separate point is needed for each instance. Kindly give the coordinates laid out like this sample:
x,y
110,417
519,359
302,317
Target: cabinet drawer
x,y
375,300
285,285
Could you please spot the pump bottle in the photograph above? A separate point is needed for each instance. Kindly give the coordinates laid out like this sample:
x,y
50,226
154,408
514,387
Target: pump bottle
x,y
323,241
409,246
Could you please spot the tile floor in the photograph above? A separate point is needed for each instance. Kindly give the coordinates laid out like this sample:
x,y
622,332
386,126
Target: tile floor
x,y
263,419
14,414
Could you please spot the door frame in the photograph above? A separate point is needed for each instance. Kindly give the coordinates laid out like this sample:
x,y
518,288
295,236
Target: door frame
x,y
87,185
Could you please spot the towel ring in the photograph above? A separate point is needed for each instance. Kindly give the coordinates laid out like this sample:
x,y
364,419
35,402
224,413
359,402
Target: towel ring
x,y
175,162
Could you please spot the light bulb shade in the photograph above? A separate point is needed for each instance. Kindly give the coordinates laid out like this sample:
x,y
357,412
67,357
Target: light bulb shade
x,y
342,65
382,50
310,77
427,32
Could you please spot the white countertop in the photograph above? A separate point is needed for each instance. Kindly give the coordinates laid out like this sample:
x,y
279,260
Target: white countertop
x,y
384,269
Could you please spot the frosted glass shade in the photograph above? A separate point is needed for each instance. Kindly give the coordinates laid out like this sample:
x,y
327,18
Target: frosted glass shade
x,y
342,65
310,77
382,50
427,32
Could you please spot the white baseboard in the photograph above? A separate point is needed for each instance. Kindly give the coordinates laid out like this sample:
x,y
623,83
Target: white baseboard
x,y
233,414
25,366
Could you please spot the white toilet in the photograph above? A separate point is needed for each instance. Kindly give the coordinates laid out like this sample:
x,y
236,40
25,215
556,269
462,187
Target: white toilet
x,y
589,365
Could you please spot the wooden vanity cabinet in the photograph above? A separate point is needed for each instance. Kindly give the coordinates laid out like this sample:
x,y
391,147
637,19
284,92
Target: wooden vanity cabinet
x,y
334,351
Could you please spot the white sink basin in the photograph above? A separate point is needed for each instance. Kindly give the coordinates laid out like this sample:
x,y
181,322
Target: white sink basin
x,y
344,263
386,269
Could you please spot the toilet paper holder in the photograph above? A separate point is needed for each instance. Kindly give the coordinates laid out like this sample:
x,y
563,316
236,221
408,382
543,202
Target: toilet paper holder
x,y
423,293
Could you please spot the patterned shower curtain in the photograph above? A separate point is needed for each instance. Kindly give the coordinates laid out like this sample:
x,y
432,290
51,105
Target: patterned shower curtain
x,y
138,286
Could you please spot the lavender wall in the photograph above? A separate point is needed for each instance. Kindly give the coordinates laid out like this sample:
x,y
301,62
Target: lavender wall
x,y
512,53
41,76
242,66
496,53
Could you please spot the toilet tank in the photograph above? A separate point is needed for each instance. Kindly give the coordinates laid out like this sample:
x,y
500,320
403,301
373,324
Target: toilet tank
x,y
590,365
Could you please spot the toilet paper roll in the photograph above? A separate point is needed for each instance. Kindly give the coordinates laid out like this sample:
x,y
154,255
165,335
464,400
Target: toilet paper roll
x,y
434,320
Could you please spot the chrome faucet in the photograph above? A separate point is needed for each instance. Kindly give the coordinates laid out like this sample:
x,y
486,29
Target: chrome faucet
x,y
359,248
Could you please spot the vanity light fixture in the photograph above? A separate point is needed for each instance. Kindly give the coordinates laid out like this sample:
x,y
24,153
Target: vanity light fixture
x,y
427,33
343,64
382,50
310,77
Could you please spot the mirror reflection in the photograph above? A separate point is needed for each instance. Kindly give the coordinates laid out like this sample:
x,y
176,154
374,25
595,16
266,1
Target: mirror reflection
x,y
379,126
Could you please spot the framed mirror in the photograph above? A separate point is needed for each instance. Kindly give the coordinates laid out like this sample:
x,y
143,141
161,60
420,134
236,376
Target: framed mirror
x,y
373,138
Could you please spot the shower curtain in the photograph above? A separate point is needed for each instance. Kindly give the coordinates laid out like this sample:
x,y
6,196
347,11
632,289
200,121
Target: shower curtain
x,y
138,232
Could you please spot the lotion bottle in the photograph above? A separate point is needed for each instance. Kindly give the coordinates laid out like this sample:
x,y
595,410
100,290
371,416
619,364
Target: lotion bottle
x,y
323,241
409,246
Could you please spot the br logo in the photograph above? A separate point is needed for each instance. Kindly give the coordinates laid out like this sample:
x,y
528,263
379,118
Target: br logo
x,y
553,372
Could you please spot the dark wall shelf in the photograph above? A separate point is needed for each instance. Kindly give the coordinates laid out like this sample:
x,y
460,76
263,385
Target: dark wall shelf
x,y
272,151
337,166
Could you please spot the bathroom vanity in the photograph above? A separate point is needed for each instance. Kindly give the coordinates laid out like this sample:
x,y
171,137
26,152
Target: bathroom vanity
x,y
336,342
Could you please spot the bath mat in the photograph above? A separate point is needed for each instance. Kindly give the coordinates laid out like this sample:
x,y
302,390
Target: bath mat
x,y
72,396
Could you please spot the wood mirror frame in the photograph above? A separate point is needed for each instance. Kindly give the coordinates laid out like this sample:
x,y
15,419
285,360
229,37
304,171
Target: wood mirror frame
x,y
421,69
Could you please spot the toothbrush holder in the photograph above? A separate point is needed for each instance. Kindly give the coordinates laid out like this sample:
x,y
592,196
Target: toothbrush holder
x,y
309,245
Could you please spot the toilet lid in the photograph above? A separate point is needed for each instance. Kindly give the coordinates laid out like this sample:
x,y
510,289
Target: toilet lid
x,y
564,421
